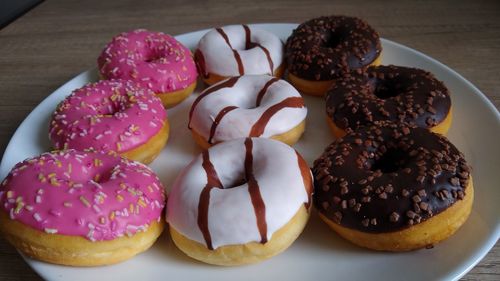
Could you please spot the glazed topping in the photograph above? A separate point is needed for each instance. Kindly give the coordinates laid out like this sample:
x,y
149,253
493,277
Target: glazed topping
x,y
250,105
94,195
388,177
326,48
115,115
238,192
236,50
388,93
153,59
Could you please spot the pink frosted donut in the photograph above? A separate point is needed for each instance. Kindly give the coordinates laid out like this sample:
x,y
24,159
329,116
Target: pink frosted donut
x,y
71,194
113,115
154,60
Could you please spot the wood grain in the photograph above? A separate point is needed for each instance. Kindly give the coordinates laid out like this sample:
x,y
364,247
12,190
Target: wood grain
x,y
59,39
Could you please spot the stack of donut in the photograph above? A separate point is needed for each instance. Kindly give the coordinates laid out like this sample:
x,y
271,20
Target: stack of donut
x,y
390,181
146,72
90,203
245,120
246,98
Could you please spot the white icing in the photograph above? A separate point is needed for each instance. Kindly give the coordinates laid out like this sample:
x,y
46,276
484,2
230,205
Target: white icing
x,y
238,122
231,216
219,57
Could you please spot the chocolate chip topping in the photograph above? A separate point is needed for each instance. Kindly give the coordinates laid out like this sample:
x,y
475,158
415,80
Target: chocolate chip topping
x,y
326,48
388,93
381,197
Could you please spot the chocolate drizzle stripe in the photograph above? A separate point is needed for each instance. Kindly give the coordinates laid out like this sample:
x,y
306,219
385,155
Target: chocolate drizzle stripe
x,y
263,91
226,84
254,190
248,36
212,182
201,64
306,177
237,57
217,120
259,126
249,44
268,56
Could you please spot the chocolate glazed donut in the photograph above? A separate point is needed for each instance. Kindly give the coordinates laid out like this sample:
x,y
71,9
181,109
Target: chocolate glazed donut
x,y
326,48
389,187
388,93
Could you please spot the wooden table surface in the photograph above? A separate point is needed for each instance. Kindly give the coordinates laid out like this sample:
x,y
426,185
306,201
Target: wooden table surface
x,y
59,39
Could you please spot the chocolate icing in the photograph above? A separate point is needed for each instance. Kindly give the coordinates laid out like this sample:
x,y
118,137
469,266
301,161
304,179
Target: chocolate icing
x,y
259,126
388,93
306,177
201,64
263,91
213,181
326,48
387,177
254,190
217,120
249,45
237,57
224,84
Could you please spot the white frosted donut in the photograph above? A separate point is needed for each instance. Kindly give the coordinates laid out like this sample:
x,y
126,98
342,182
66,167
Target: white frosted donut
x,y
236,50
246,106
239,192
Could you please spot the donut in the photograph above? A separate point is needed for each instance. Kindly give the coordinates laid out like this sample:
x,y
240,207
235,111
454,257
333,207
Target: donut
x,y
154,60
81,208
321,50
240,202
248,106
388,93
115,115
236,50
393,187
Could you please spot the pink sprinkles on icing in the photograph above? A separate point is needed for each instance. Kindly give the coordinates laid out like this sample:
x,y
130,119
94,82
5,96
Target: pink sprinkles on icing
x,y
153,59
73,203
112,115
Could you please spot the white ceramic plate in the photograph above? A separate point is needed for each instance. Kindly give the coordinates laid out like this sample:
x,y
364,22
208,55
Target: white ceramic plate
x,y
318,254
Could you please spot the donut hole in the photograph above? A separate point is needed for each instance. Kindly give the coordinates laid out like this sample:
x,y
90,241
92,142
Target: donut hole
x,y
100,175
390,87
332,39
246,46
391,161
250,45
237,182
236,179
108,110
153,56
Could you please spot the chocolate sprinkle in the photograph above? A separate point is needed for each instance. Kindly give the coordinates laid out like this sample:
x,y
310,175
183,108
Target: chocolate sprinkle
x,y
381,197
394,217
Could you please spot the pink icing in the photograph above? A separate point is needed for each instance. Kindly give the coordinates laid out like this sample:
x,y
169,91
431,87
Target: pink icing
x,y
92,194
153,59
113,115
